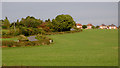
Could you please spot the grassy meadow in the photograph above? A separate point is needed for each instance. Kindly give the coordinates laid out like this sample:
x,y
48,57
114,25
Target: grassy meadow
x,y
94,47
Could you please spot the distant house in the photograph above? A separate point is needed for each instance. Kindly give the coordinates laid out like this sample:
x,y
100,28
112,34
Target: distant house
x,y
112,26
89,26
103,26
79,26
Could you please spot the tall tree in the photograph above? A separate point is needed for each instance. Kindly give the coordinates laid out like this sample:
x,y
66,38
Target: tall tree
x,y
63,23
30,22
17,21
97,27
84,26
6,22
93,27
119,27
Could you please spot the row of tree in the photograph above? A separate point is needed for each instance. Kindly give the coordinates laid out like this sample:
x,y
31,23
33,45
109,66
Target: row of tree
x,y
32,25
5,23
93,27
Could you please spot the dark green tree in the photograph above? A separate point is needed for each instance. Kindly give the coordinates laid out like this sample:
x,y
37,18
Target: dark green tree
x,y
63,23
47,20
97,27
84,26
93,27
118,27
30,22
6,22
17,21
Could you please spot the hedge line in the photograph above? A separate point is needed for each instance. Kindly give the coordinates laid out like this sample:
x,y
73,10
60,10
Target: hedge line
x,y
54,33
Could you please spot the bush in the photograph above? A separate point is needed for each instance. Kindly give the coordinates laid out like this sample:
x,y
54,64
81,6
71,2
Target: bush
x,y
23,41
43,39
53,33
4,27
63,23
22,38
14,32
31,31
93,27
11,32
84,26
8,43
97,27
18,44
5,34
25,31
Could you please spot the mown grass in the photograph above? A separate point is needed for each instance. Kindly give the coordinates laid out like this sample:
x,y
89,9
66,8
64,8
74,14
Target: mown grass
x,y
87,48
5,30
8,39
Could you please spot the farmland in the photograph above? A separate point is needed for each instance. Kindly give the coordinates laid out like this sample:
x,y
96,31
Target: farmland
x,y
94,47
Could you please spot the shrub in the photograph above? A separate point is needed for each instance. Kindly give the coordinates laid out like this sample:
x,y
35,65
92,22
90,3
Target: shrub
x,y
4,33
84,26
10,32
43,39
18,44
8,43
97,27
93,27
63,23
22,38
31,31
14,32
25,31
4,27
53,33
6,36
23,41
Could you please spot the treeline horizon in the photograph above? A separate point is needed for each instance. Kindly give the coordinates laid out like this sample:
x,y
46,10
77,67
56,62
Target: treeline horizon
x,y
52,19
30,25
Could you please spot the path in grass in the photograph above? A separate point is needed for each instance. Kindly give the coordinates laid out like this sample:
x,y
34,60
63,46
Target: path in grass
x,y
32,38
87,48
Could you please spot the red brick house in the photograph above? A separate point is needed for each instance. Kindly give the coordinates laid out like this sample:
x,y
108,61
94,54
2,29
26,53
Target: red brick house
x,y
103,26
79,26
89,26
112,26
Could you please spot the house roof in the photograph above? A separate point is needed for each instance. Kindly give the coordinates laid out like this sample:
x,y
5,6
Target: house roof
x,y
112,25
79,24
103,25
89,25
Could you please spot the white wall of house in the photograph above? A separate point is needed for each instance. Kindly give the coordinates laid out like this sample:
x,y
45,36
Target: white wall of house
x,y
79,26
89,27
109,27
112,27
103,27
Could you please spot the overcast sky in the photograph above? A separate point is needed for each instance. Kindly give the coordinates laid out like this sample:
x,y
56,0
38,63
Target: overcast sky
x,y
96,13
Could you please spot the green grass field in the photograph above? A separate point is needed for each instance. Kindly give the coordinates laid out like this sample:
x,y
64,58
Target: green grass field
x,y
7,39
87,48
5,30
